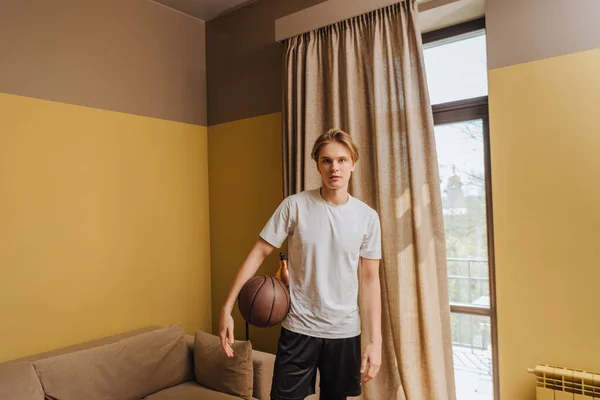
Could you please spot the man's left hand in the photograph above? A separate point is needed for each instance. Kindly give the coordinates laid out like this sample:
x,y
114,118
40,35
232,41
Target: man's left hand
x,y
371,362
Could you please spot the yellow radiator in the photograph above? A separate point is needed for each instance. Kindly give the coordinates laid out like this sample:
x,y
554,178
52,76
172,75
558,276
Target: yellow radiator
x,y
561,383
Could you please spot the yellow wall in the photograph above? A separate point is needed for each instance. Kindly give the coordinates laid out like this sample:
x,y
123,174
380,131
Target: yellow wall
x,y
545,141
245,170
103,224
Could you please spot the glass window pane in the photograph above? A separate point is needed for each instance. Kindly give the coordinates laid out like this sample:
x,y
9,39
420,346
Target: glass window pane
x,y
472,354
462,180
457,70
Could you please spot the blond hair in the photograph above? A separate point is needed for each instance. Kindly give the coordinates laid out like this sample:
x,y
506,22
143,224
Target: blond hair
x,y
335,135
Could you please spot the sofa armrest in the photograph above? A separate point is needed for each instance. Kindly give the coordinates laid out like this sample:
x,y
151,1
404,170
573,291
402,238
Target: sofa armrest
x,y
263,364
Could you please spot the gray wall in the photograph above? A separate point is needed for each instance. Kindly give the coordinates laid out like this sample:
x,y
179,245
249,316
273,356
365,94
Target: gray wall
x,y
527,30
244,63
132,56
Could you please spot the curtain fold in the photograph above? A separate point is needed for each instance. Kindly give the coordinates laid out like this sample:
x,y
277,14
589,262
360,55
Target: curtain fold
x,y
366,76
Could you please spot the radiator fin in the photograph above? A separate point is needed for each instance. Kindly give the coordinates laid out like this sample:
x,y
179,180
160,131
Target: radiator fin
x,y
557,383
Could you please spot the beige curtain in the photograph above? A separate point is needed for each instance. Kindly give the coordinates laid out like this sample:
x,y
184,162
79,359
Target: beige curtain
x,y
367,77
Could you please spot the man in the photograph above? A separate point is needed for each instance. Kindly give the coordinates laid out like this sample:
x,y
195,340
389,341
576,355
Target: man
x,y
329,233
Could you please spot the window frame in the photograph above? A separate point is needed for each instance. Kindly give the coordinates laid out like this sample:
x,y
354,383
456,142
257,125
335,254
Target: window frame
x,y
460,111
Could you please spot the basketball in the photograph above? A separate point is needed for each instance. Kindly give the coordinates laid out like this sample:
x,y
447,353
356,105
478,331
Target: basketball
x,y
264,301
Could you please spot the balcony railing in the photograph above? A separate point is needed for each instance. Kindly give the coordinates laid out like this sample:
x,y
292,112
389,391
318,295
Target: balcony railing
x,y
473,285
468,287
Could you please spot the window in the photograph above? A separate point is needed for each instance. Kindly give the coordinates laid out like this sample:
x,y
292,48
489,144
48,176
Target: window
x,y
456,68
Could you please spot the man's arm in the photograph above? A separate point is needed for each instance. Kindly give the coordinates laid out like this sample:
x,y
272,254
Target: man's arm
x,y
253,261
371,298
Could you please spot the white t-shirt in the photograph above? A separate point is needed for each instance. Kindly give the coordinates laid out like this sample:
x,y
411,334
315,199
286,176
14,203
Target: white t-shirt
x,y
325,244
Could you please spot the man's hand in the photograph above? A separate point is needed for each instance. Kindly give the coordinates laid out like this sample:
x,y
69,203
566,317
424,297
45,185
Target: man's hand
x,y
226,333
371,362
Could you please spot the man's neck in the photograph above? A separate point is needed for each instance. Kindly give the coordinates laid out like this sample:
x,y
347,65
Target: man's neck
x,y
337,197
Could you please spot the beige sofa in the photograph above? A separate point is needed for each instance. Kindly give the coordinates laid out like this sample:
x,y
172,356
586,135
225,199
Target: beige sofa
x,y
154,363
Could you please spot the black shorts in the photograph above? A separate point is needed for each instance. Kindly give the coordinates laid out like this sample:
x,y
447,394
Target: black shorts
x,y
299,356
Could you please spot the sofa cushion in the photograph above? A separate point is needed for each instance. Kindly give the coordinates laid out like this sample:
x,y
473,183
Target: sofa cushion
x,y
217,371
190,391
19,381
263,365
128,369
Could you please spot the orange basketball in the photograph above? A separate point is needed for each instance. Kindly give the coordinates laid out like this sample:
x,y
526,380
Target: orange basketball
x,y
264,301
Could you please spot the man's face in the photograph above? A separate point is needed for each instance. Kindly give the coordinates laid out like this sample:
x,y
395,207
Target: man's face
x,y
335,165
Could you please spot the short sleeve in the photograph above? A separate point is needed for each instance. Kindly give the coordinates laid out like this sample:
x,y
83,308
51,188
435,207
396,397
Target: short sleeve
x,y
371,245
279,225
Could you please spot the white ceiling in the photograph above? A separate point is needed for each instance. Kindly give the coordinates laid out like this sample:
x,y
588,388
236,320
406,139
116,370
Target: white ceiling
x,y
204,9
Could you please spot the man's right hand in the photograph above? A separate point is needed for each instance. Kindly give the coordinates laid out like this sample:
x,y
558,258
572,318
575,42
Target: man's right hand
x,y
226,333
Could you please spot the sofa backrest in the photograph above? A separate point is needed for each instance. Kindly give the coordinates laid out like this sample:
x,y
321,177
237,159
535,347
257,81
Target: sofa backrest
x,y
130,368
90,344
18,380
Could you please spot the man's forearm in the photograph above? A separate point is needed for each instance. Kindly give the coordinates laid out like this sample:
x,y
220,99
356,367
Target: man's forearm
x,y
372,303
254,260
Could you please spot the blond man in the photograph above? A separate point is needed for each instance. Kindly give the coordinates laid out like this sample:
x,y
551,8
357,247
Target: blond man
x,y
329,234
